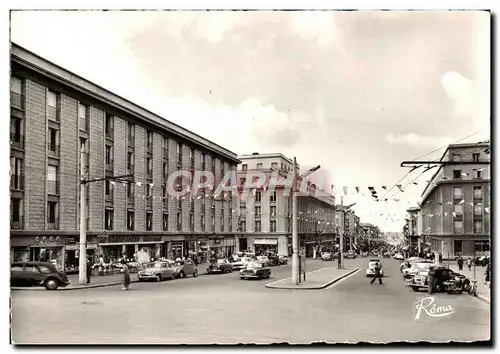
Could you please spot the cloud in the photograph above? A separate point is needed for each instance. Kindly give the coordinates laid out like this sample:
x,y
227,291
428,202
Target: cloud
x,y
316,25
416,140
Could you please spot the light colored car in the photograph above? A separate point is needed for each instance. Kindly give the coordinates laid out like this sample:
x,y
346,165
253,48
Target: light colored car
x,y
398,256
184,268
241,263
157,271
410,272
264,260
350,254
370,271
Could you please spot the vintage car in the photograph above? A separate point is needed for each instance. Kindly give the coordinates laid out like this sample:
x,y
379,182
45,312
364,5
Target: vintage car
x,y
283,260
350,254
370,271
329,256
415,267
241,263
264,260
446,281
255,270
184,268
274,260
157,271
409,262
221,265
37,273
398,256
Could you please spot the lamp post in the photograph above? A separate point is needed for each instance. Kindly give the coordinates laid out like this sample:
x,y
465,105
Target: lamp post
x,y
295,234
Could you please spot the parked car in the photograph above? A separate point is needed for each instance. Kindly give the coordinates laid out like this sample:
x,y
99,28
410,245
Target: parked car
x,y
409,262
157,271
446,281
370,271
274,260
255,270
264,260
398,256
329,256
37,273
350,254
410,272
221,265
283,260
241,263
184,268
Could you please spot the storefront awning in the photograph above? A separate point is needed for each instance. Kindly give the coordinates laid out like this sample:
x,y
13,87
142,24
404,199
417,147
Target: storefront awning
x,y
265,241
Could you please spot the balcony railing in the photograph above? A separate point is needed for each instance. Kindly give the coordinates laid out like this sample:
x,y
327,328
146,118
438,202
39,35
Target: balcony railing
x,y
52,224
17,140
17,182
131,140
16,100
53,113
17,224
84,124
53,187
54,150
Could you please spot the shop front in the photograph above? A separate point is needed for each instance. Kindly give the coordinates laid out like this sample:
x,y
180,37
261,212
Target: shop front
x,y
265,245
72,255
115,247
48,249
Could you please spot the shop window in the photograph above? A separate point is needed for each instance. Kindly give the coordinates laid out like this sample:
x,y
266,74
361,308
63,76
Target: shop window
x,y
482,246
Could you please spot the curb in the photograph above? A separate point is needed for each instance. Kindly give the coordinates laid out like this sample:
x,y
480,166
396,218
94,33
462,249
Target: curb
x,y
319,287
483,299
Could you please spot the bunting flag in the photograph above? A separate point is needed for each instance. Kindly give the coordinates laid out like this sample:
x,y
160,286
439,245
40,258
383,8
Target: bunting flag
x,y
465,174
445,214
345,190
399,186
415,183
384,187
449,202
440,203
454,214
461,202
357,190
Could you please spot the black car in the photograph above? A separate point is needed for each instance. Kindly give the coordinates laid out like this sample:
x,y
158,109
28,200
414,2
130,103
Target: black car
x,y
37,273
221,265
274,260
255,270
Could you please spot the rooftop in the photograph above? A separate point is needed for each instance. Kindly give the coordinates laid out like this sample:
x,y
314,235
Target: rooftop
x,y
257,155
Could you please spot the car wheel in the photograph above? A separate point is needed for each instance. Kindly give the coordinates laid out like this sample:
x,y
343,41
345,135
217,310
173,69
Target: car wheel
x,y
195,274
158,277
51,284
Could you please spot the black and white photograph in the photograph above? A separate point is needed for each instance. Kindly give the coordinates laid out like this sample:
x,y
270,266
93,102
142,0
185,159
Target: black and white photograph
x,y
220,176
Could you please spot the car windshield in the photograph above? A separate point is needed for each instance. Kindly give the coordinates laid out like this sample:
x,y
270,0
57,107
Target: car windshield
x,y
160,265
253,265
179,264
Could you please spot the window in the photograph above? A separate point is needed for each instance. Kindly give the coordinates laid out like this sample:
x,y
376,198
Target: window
x,y
84,150
16,132
230,223
131,134
191,156
109,155
242,181
165,222
83,116
244,167
243,226
52,180
257,226
191,222
273,210
16,213
458,226
179,152
478,174
192,204
457,192
257,211
203,203
457,174
257,196
130,220
274,165
149,167
16,173
222,224
478,226
52,100
259,166
149,195
482,246
53,142
130,192
202,222
149,136
478,209
16,92
455,157
272,197
149,221
203,161
108,190
108,126
243,209
475,157
165,147
179,222
130,161
213,223
108,219
272,226
52,212
478,192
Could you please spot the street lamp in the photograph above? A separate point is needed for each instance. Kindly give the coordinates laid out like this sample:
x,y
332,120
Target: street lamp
x,y
342,231
295,234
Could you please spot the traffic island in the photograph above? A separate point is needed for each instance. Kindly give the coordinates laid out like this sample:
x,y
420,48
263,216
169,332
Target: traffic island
x,y
315,280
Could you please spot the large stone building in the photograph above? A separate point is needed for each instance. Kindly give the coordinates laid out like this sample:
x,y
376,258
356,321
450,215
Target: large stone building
x,y
352,230
456,202
265,214
59,120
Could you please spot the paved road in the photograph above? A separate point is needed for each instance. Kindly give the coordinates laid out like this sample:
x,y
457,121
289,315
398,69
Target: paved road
x,y
224,309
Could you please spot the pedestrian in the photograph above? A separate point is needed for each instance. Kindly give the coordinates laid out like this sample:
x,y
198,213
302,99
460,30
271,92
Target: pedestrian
x,y
125,276
487,275
440,258
460,262
432,279
378,273
89,269
469,263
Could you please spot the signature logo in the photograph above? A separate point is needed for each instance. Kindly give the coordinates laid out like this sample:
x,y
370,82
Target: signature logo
x,y
428,306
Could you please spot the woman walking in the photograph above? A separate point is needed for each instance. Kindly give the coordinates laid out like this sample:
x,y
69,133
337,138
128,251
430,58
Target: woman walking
x,y
125,276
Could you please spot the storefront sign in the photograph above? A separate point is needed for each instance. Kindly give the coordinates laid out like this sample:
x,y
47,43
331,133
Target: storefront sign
x,y
265,241
153,238
47,241
122,239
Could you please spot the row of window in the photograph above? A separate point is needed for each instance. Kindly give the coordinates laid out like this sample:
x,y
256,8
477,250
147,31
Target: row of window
x,y
257,226
477,193
477,174
274,166
458,226
458,158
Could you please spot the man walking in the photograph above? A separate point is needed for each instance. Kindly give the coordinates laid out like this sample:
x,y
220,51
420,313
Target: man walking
x,y
460,262
89,270
378,274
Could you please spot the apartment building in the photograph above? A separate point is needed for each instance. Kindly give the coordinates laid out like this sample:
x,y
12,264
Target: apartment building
x,y
414,240
60,121
265,215
351,227
456,202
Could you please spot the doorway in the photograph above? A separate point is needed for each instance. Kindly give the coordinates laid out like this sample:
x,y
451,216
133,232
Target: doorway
x,y
243,244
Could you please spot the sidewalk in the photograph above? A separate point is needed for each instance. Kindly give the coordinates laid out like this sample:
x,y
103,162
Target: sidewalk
x,y
98,281
315,280
483,291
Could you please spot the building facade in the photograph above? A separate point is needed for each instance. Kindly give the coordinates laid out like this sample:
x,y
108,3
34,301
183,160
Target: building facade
x,y
455,206
351,227
414,240
60,121
265,214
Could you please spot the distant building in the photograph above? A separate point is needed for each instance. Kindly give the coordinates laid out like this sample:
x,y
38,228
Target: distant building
x,y
455,205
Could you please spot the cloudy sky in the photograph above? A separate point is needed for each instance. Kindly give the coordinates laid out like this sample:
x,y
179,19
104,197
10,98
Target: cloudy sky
x,y
356,92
